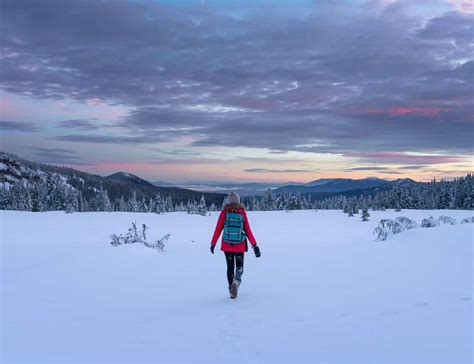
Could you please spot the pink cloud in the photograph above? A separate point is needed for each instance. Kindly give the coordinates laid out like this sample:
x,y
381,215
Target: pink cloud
x,y
179,168
463,6
6,108
11,108
94,102
405,110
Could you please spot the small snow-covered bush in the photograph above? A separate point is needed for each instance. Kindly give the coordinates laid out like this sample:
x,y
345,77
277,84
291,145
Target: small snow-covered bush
x,y
446,220
429,222
468,220
388,227
381,234
133,235
385,228
406,223
393,226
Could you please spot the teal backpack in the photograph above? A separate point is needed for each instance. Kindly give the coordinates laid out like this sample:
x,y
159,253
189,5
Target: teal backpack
x,y
234,228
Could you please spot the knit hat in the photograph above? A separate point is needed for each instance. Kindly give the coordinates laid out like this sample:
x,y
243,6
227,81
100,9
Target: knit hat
x,y
233,198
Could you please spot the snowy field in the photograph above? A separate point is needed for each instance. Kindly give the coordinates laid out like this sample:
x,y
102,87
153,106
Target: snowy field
x,y
324,291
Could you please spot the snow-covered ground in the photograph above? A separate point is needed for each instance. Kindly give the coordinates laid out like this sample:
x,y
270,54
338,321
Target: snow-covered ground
x,y
323,291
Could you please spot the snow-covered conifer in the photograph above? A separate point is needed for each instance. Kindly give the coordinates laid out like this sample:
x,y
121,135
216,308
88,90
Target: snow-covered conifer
x,y
133,203
365,215
202,208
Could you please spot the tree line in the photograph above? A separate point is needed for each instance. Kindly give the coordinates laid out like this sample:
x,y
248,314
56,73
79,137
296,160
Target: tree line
x,y
55,193
457,194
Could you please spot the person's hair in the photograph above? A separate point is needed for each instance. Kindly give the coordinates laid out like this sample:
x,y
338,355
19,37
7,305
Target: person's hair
x,y
233,201
233,205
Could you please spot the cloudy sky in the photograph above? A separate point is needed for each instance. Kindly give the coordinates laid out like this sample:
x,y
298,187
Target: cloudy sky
x,y
241,90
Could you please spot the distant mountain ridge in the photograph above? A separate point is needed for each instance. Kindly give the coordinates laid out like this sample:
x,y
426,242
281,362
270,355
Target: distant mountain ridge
x,y
243,188
129,177
315,188
341,185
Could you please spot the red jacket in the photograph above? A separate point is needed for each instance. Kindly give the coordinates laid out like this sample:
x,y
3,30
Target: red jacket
x,y
227,247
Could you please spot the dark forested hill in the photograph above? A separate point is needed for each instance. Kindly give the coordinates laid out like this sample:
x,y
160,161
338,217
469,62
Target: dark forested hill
x,y
55,187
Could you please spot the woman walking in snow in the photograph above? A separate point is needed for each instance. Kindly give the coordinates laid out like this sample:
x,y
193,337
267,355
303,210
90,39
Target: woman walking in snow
x,y
233,220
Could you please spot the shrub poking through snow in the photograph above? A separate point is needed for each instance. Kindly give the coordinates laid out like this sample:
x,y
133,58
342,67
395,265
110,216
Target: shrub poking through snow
x,y
133,235
158,244
406,223
468,220
429,222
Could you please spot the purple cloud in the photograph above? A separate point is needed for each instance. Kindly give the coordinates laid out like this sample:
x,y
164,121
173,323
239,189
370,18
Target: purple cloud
x,y
27,127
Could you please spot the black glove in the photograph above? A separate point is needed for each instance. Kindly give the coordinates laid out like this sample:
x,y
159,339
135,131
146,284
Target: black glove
x,y
256,250
212,248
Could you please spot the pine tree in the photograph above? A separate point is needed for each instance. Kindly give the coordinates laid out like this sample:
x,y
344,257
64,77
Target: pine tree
x,y
151,205
20,198
122,205
355,209
70,199
104,200
132,203
365,214
268,202
142,205
192,207
36,199
202,208
80,202
54,199
159,208
294,203
169,204
5,202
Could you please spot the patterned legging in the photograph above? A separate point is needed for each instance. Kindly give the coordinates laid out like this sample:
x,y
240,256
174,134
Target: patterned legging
x,y
235,266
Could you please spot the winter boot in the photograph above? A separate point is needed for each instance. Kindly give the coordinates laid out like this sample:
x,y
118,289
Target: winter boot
x,y
234,287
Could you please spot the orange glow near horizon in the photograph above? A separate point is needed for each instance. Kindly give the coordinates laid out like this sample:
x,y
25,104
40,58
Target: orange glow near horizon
x,y
232,171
